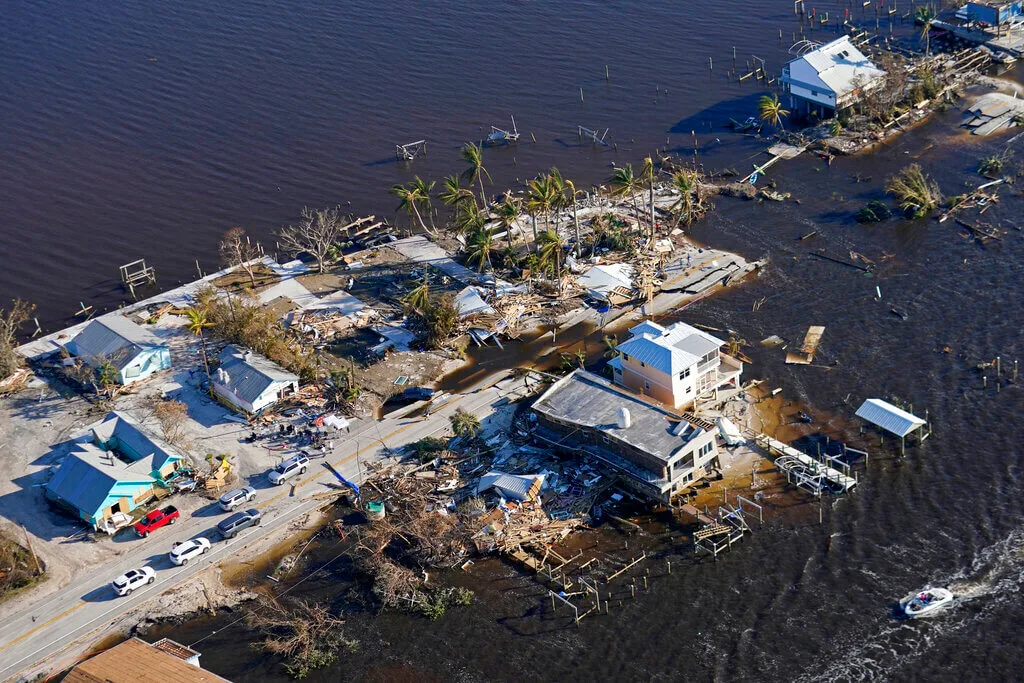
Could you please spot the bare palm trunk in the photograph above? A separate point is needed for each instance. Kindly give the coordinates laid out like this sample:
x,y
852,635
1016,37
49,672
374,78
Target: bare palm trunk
x,y
536,246
420,219
576,221
483,195
206,362
652,211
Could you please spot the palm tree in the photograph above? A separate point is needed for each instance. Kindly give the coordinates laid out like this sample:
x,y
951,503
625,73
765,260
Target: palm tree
x,y
412,196
465,423
551,247
473,154
571,186
624,183
647,174
508,211
611,346
197,322
418,297
107,373
468,219
422,189
687,207
479,249
559,198
453,193
539,199
770,110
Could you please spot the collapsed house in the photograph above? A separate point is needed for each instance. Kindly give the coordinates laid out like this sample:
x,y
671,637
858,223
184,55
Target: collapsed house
x,y
113,469
676,365
114,341
611,284
250,382
658,452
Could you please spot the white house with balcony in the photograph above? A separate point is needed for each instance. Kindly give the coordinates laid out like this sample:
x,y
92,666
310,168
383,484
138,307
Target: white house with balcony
x,y
675,365
829,78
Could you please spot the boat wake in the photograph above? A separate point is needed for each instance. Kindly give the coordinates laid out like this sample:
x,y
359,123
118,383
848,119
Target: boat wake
x,y
994,577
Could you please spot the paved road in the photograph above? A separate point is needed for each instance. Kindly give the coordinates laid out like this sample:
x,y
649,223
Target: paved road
x,y
36,636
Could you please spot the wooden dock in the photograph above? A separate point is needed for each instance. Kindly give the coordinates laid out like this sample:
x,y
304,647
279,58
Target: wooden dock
x,y
810,346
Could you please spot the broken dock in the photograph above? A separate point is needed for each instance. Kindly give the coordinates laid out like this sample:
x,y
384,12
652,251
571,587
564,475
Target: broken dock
x,y
829,474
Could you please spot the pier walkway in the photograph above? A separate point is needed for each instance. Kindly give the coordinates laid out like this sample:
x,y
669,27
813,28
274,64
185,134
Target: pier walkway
x,y
803,470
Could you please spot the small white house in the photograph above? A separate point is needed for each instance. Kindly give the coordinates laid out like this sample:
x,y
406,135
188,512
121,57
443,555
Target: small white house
x,y
132,351
251,382
829,78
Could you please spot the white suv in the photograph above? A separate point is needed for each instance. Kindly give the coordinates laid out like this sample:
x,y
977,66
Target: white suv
x,y
289,468
232,499
132,579
181,553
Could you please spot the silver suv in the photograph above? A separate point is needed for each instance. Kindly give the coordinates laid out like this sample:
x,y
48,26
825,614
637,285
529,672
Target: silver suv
x,y
291,467
237,522
232,499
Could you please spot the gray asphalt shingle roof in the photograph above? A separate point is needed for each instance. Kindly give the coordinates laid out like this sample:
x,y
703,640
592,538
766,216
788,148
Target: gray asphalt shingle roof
x,y
250,374
116,338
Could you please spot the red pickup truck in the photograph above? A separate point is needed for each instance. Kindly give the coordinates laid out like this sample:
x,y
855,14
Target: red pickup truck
x,y
156,519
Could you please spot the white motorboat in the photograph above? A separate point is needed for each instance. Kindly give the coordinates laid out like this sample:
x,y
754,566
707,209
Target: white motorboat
x,y
926,602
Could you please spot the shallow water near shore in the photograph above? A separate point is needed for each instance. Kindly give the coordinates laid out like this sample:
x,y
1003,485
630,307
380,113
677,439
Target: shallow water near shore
x,y
248,113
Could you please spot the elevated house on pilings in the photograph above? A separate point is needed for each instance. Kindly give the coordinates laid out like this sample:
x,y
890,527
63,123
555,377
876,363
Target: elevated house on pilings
x,y
826,79
657,452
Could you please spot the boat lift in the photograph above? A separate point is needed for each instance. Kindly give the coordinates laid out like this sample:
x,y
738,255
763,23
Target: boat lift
x,y
594,136
410,151
500,136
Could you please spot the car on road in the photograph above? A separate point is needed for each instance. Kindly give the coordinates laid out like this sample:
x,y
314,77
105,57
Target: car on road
x,y
418,393
230,527
181,553
232,499
132,579
156,519
289,468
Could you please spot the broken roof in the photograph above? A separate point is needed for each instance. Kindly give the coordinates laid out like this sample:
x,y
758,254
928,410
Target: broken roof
x,y
249,374
586,399
890,418
841,66
116,338
604,280
515,486
469,302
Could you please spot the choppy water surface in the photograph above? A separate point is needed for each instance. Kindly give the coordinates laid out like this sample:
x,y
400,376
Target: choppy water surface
x,y
133,129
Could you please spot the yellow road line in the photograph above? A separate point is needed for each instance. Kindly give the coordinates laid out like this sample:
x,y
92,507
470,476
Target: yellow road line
x,y
265,503
43,625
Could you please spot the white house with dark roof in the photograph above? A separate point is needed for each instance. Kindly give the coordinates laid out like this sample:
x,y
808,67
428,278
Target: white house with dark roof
x,y
251,382
133,351
675,365
829,77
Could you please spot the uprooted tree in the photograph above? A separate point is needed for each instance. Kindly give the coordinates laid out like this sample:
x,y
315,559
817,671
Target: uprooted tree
x,y
11,320
306,635
237,250
917,194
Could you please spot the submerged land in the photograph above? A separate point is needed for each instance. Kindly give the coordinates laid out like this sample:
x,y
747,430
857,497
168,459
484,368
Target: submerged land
x,y
518,300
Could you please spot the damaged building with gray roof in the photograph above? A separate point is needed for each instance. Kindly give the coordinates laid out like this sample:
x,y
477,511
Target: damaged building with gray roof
x,y
658,452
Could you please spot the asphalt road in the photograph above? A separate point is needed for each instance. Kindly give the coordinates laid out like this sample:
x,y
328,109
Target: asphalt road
x,y
35,637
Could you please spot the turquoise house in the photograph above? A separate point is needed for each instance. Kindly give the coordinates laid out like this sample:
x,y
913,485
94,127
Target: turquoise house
x,y
134,352
115,468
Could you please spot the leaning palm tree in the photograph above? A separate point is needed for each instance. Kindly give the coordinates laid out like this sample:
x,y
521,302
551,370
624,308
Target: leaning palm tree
x,y
473,154
468,219
412,196
623,184
509,210
559,197
197,322
465,423
422,189
479,249
769,109
550,253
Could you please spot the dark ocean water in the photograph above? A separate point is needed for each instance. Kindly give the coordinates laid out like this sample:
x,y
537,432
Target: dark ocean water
x,y
146,129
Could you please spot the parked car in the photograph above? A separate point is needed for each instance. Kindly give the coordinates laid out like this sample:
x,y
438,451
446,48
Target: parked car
x,y
181,553
237,522
132,579
232,499
418,393
289,468
156,519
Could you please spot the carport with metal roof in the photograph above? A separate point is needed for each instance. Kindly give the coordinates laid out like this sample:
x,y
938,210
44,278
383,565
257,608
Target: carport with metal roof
x,y
892,419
